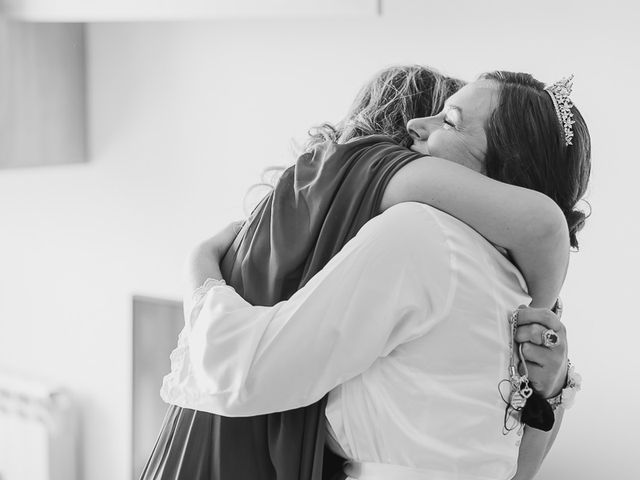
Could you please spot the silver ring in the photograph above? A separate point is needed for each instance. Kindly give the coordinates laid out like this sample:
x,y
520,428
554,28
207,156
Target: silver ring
x,y
550,338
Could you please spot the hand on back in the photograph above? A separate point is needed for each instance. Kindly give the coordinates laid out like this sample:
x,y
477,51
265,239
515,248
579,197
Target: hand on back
x,y
547,364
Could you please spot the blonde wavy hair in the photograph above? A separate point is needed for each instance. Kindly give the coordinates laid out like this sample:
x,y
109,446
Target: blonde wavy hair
x,y
387,102
383,106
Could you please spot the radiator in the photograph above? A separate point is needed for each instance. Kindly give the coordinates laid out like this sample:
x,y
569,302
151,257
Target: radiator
x,y
37,432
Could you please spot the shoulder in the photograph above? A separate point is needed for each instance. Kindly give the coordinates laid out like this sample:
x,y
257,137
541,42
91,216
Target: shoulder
x,y
413,243
328,158
432,240
411,230
425,236
414,218
331,147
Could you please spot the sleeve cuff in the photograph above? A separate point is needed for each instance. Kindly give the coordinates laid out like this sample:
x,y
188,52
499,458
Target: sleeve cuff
x,y
202,290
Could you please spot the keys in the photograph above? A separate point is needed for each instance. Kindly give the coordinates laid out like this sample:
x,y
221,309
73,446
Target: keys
x,y
520,392
520,389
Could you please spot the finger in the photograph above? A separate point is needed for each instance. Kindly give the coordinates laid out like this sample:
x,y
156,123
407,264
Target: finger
x,y
227,234
541,356
529,363
532,353
536,373
237,226
234,228
532,333
543,316
221,241
535,333
559,307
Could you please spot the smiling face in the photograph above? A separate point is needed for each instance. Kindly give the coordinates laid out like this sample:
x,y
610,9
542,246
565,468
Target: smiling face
x,y
457,133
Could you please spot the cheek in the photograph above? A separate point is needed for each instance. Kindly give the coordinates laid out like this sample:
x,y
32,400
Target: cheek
x,y
477,144
445,144
455,147
441,143
471,154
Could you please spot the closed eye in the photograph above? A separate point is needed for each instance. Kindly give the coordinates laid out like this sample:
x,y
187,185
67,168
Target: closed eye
x,y
452,117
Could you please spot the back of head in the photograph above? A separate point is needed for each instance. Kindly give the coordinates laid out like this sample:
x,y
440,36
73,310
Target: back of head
x,y
383,106
388,101
526,145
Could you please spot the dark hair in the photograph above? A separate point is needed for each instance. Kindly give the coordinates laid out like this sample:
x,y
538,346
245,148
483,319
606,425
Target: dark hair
x,y
526,145
387,102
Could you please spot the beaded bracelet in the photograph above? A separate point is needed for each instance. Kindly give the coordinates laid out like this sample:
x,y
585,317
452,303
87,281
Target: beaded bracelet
x,y
566,397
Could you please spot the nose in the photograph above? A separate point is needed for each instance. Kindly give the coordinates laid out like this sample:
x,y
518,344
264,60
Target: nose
x,y
419,128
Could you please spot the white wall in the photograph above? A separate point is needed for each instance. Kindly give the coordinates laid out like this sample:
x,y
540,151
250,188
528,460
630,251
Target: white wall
x,y
185,115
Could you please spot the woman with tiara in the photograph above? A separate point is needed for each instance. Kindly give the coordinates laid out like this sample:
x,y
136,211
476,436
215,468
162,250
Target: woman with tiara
x,y
364,324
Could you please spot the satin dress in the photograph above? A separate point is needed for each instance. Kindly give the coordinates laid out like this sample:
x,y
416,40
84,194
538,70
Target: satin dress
x,y
318,205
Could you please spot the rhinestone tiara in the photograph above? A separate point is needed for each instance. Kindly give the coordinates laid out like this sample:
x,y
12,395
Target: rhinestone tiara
x,y
559,93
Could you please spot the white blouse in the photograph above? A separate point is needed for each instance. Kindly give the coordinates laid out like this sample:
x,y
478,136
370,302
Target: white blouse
x,y
406,327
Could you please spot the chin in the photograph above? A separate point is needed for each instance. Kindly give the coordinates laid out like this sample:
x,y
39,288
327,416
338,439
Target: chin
x,y
420,148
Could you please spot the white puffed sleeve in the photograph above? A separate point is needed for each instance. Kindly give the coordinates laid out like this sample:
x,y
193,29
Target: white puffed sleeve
x,y
390,284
